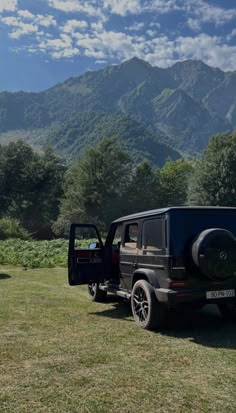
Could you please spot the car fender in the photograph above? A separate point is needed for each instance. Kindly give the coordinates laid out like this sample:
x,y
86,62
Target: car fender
x,y
150,275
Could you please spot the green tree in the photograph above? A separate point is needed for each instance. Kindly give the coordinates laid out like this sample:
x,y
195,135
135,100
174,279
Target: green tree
x,y
174,178
94,186
214,178
15,165
142,193
31,187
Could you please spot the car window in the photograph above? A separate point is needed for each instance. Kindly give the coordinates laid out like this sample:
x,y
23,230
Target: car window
x,y
117,236
131,236
153,234
86,237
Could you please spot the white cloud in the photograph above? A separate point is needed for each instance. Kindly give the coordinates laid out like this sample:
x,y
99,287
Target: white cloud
x,y
45,21
163,6
26,14
109,44
123,7
160,50
86,32
194,24
19,28
8,5
151,33
72,25
66,53
197,11
63,42
59,48
136,27
24,23
100,62
89,8
136,7
231,35
200,12
40,19
155,25
97,26
23,29
208,13
212,50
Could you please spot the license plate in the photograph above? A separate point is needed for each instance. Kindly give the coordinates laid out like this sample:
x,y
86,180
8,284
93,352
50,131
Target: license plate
x,y
220,294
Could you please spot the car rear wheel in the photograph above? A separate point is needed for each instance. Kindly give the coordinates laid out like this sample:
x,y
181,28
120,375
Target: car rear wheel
x,y
95,293
148,313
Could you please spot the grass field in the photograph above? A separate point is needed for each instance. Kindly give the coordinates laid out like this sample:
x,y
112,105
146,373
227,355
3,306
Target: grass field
x,y
61,353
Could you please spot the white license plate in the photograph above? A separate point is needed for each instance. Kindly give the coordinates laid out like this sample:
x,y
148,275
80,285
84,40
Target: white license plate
x,y
220,294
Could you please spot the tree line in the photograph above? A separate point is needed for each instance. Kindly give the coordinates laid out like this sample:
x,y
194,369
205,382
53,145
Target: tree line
x,y
43,196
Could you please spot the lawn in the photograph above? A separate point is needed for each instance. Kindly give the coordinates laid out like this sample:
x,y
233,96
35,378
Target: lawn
x,y
59,352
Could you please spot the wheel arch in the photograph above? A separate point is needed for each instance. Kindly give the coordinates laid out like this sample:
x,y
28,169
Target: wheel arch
x,y
144,274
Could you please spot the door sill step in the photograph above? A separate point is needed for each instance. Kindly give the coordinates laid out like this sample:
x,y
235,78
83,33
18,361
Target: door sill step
x,y
114,289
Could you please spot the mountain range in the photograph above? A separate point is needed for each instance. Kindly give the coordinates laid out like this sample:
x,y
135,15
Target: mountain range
x,y
157,113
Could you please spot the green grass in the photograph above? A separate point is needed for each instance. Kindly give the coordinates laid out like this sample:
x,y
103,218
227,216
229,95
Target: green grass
x,y
59,352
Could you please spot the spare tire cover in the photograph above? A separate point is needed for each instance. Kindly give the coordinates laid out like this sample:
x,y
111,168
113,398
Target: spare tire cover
x,y
214,253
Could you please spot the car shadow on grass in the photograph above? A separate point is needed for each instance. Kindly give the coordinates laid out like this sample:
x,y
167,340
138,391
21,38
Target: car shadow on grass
x,y
120,309
206,327
4,276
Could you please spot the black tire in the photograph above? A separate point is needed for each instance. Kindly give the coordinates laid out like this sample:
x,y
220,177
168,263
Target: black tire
x,y
214,253
228,310
96,294
148,313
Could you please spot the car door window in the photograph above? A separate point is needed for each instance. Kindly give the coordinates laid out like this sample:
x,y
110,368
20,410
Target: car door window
x,y
117,236
86,237
131,236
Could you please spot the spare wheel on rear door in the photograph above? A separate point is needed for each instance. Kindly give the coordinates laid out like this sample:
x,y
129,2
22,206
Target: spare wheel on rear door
x,y
214,253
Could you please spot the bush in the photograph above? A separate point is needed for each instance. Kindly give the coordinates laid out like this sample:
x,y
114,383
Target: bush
x,y
34,254
11,228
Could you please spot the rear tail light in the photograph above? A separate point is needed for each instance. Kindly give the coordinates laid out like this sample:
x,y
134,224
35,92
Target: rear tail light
x,y
177,284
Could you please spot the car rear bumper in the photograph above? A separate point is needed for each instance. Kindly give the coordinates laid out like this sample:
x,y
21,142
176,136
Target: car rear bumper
x,y
171,298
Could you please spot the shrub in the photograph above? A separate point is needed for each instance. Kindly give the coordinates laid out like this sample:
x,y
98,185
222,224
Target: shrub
x,y
11,228
34,254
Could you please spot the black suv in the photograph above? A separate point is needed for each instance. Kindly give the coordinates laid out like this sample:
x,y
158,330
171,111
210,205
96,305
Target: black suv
x,y
160,259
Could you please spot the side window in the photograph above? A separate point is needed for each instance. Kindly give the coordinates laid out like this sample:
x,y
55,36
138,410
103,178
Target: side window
x,y
131,236
153,235
86,237
117,236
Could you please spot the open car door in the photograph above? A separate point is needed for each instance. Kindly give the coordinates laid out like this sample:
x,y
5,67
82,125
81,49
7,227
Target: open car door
x,y
86,255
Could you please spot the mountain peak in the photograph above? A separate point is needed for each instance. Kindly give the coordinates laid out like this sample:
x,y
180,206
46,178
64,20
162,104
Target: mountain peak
x,y
136,61
191,64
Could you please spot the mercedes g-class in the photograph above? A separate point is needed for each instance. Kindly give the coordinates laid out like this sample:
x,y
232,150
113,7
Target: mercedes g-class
x,y
160,259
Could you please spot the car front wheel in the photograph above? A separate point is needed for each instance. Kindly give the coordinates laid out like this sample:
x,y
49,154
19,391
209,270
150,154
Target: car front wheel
x,y
148,313
96,294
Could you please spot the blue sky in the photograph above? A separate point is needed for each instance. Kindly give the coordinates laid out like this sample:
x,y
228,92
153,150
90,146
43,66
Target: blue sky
x,y
43,42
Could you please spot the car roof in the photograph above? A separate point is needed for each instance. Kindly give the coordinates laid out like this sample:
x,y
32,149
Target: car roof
x,y
162,211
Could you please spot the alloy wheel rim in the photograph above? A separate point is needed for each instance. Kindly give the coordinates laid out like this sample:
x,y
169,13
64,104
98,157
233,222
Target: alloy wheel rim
x,y
140,304
92,289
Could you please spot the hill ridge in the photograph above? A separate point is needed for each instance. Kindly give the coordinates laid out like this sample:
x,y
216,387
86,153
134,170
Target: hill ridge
x,y
184,119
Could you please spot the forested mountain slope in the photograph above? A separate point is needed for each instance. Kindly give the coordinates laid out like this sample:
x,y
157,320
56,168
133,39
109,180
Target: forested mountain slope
x,y
153,111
